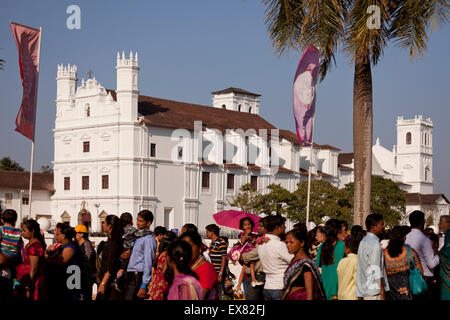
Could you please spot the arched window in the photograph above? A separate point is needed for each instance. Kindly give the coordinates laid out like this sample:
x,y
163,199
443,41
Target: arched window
x,y
239,107
427,173
250,110
224,106
408,138
426,139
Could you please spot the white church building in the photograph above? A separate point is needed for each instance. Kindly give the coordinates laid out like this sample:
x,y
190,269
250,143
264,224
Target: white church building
x,y
119,151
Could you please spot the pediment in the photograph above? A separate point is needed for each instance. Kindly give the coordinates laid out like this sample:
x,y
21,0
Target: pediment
x,y
85,170
408,166
85,137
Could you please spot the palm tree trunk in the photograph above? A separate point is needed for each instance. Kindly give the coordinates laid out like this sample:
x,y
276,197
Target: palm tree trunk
x,y
362,136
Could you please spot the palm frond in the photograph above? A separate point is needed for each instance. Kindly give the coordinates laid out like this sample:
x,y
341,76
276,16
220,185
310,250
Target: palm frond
x,y
296,24
414,20
359,37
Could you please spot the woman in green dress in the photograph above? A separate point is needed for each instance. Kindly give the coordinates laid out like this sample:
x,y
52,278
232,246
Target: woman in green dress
x,y
444,256
328,256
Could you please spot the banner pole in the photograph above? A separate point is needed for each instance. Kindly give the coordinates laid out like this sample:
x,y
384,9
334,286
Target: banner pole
x,y
310,166
30,194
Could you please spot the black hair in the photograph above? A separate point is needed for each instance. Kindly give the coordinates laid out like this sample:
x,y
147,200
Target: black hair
x,y
301,235
344,224
160,230
416,218
352,244
311,237
327,251
213,228
320,229
66,230
126,219
165,242
33,226
300,225
396,242
180,253
190,227
9,216
116,227
433,237
194,237
225,239
271,222
241,223
147,215
372,220
405,230
355,230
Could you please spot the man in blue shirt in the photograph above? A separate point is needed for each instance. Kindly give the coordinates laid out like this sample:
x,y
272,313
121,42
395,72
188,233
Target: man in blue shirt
x,y
371,277
139,271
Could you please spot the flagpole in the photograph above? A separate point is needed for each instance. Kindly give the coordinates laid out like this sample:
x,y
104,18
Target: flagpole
x,y
30,193
309,172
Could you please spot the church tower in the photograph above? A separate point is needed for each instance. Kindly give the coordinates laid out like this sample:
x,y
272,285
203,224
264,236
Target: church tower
x,y
66,83
127,86
414,154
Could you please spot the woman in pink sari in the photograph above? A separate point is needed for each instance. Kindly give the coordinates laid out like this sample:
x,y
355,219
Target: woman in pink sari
x,y
183,282
30,273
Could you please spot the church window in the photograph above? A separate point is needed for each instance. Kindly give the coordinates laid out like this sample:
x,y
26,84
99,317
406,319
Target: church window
x,y
105,182
25,200
230,181
87,109
426,139
153,150
250,110
408,138
224,106
254,182
180,153
8,198
239,108
86,146
205,180
66,183
85,182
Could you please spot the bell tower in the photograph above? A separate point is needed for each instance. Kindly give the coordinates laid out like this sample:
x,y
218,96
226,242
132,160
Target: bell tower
x,y
127,86
414,153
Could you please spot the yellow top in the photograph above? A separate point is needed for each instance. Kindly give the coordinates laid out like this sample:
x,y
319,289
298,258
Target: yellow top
x,y
346,271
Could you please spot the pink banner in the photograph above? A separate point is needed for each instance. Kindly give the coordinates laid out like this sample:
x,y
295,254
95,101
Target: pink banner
x,y
305,94
27,42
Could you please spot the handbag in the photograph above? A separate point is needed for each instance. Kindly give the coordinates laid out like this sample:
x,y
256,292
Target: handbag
x,y
416,281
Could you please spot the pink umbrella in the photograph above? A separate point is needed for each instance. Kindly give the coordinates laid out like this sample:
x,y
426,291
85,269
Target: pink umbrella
x,y
231,219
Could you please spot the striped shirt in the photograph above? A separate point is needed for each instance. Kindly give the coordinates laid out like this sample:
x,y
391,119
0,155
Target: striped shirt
x,y
217,250
10,241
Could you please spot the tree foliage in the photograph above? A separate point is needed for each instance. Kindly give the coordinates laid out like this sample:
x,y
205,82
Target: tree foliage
x,y
46,169
387,199
10,165
326,200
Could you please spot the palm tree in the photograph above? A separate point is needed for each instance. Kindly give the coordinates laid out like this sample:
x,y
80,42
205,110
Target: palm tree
x,y
330,24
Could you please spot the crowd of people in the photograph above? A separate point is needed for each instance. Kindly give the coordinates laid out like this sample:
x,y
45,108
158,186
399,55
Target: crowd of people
x,y
328,262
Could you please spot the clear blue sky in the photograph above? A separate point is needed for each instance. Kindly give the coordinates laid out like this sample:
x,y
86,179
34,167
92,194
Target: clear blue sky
x,y
189,48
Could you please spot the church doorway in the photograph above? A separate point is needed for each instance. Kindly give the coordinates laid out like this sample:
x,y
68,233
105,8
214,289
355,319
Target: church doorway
x,y
84,217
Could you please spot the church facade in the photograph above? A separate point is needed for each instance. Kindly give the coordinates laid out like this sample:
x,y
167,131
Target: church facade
x,y
119,151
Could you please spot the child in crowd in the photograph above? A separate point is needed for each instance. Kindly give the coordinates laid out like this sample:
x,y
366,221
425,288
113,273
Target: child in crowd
x,y
10,239
346,271
130,234
10,244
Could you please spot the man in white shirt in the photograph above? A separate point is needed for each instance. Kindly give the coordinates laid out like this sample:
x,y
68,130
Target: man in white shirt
x,y
444,224
274,257
419,242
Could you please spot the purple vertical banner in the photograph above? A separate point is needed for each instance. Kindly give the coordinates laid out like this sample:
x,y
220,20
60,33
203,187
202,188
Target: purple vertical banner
x,y
305,94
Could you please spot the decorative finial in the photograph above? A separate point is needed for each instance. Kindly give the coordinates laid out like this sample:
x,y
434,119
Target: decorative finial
x,y
123,55
131,55
118,55
136,57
